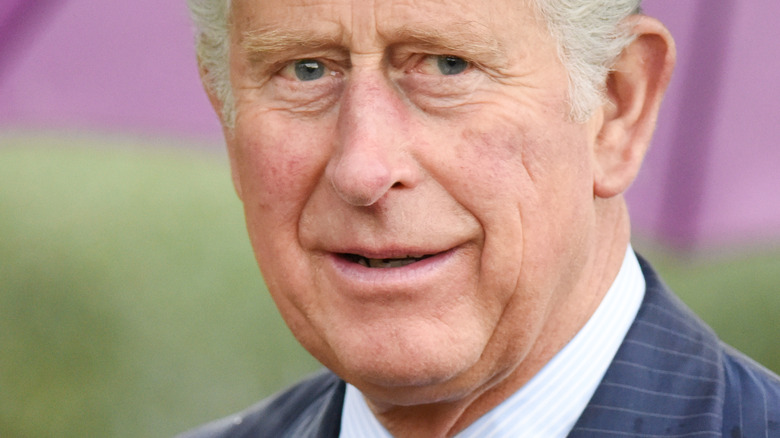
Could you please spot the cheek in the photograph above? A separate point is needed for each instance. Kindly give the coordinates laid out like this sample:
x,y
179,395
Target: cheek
x,y
486,171
279,162
529,186
496,155
530,165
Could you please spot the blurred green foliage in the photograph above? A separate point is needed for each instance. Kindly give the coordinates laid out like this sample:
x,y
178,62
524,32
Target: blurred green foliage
x,y
734,290
131,306
130,302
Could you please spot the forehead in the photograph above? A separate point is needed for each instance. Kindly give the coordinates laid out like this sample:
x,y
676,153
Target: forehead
x,y
371,23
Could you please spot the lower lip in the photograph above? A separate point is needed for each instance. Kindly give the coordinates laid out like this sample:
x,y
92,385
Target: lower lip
x,y
402,276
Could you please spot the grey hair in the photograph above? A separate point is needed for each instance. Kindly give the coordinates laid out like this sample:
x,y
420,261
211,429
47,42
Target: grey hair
x,y
212,46
590,34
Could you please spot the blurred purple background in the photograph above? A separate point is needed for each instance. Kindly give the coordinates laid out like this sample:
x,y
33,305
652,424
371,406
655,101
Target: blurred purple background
x,y
710,178
109,66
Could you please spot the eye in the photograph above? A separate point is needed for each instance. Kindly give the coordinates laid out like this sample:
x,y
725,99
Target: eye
x,y
308,69
451,65
442,65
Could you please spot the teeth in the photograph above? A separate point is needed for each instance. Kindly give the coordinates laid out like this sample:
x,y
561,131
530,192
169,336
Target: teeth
x,y
390,263
387,263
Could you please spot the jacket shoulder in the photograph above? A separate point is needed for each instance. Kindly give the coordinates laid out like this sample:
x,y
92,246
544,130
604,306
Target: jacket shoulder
x,y
672,376
311,407
752,397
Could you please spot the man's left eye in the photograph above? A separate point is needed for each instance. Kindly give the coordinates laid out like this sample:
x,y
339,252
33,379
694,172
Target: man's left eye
x,y
451,65
442,65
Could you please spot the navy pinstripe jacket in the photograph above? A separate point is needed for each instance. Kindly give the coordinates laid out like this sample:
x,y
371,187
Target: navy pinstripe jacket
x,y
671,377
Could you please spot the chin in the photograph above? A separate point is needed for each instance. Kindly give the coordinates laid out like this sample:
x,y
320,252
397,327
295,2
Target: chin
x,y
407,387
427,368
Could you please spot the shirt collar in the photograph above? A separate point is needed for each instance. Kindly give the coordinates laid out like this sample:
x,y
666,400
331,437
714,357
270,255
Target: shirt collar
x,y
552,401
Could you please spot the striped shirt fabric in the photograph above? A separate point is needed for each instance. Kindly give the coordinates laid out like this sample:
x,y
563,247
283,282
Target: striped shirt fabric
x,y
550,403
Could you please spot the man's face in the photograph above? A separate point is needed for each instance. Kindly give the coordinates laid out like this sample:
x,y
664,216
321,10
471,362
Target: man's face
x,y
418,200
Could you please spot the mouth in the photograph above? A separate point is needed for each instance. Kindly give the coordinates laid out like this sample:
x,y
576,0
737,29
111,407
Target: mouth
x,y
387,263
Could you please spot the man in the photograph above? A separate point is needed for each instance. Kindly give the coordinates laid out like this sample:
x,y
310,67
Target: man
x,y
433,191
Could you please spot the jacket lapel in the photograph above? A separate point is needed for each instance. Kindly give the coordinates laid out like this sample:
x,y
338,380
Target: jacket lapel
x,y
666,378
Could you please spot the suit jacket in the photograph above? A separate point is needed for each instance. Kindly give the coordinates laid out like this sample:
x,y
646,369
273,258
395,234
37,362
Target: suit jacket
x,y
671,377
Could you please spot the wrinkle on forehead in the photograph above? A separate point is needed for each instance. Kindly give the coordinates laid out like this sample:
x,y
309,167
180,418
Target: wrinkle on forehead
x,y
361,28
461,39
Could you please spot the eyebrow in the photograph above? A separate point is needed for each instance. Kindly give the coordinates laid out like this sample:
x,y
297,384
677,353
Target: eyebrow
x,y
460,39
268,45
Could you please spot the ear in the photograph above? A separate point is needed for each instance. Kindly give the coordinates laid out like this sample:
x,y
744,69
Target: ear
x,y
216,104
634,89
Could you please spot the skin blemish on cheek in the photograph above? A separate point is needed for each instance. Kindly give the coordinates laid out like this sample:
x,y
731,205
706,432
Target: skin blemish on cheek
x,y
273,161
495,157
286,171
495,145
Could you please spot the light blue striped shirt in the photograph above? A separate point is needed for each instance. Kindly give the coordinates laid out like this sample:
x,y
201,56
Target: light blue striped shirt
x,y
552,401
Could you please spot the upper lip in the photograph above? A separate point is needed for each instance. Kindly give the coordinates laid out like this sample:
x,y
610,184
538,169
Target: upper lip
x,y
386,247
385,256
390,253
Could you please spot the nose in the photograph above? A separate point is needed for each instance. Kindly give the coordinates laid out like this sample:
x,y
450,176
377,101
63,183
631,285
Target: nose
x,y
373,154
